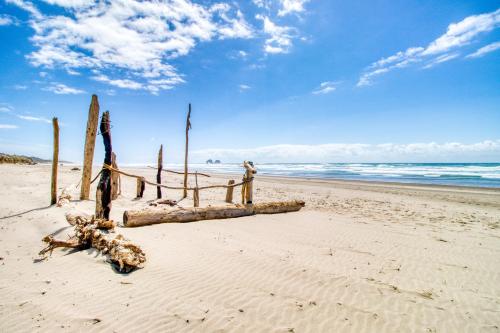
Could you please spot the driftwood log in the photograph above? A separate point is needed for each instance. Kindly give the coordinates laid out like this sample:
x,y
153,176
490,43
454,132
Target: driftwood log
x,y
139,218
103,194
88,155
55,163
92,232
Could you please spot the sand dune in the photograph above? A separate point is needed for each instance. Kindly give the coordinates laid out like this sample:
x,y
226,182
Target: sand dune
x,y
361,257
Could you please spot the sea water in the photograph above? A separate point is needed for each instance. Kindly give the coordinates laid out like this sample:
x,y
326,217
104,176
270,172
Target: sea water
x,y
464,174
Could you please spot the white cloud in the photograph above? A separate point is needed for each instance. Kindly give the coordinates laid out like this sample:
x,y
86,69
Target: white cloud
x,y
441,59
325,88
244,87
484,50
32,118
457,35
337,152
291,6
280,37
27,6
134,41
6,108
7,126
8,20
62,89
20,87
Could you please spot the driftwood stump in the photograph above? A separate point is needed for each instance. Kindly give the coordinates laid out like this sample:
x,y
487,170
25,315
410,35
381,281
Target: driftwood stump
x,y
88,156
104,188
229,192
141,186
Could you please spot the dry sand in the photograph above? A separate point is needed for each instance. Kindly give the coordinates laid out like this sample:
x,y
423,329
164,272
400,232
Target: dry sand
x,y
361,257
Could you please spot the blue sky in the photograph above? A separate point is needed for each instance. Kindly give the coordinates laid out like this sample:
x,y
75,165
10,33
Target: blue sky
x,y
269,80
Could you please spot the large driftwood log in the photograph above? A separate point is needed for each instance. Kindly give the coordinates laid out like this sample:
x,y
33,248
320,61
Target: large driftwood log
x,y
92,232
88,155
103,195
55,163
149,216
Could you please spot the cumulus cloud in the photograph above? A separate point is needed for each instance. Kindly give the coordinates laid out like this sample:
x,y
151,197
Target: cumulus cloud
x,y
457,35
337,152
128,41
8,126
62,89
485,50
325,88
291,6
279,37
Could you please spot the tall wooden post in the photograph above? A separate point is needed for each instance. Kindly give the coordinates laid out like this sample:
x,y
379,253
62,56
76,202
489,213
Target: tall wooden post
x,y
114,178
88,155
250,171
229,193
188,127
158,175
104,188
55,162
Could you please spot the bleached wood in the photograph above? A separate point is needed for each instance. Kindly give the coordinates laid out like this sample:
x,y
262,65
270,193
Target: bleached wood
x,y
88,156
55,163
137,218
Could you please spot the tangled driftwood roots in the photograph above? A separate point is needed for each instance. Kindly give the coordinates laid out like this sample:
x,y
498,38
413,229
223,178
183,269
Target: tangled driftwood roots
x,y
92,232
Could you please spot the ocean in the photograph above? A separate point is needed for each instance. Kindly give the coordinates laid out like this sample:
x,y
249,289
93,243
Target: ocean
x,y
463,174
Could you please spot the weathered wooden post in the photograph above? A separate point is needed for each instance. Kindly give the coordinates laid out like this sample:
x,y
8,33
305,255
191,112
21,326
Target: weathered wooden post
x,y
158,175
104,188
196,192
229,193
88,155
55,162
188,127
141,185
114,178
250,171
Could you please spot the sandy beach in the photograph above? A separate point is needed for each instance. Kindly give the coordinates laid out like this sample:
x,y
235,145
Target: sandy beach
x,y
360,257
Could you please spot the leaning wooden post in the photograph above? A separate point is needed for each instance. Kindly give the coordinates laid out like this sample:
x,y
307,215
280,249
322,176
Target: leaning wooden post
x,y
229,193
196,192
141,185
104,188
88,155
250,171
158,175
55,162
114,178
188,127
